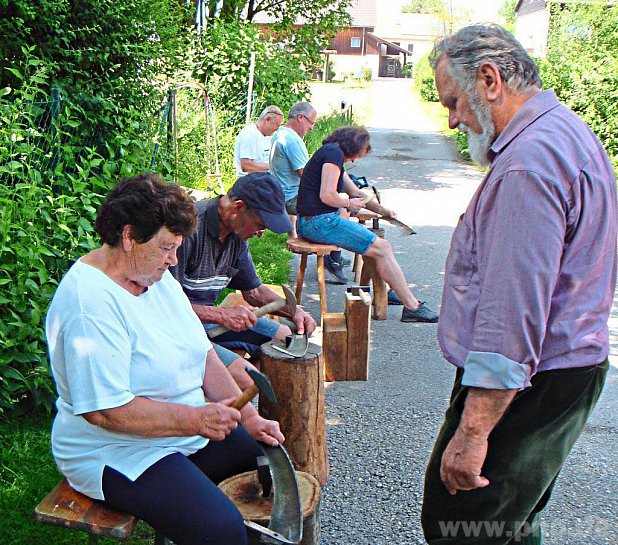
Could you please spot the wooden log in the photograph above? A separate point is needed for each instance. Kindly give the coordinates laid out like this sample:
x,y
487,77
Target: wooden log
x,y
356,310
299,386
335,346
246,493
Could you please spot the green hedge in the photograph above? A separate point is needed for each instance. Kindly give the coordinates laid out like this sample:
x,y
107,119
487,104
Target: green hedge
x,y
581,65
424,80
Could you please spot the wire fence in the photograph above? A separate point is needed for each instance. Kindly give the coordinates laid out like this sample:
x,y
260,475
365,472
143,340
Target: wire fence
x,y
188,139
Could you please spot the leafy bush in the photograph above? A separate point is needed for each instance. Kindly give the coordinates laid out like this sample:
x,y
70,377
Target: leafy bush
x,y
322,128
424,80
366,74
112,63
581,65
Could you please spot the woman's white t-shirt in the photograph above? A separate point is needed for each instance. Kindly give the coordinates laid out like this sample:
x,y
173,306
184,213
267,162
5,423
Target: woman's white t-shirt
x,y
108,346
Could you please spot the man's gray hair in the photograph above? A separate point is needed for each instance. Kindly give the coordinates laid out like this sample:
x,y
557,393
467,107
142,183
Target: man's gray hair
x,y
303,108
473,45
272,109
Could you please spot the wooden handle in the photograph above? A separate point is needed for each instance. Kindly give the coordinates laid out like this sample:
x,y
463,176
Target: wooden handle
x,y
245,397
369,198
266,309
270,307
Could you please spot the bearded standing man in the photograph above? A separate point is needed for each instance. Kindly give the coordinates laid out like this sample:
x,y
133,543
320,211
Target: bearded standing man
x,y
528,289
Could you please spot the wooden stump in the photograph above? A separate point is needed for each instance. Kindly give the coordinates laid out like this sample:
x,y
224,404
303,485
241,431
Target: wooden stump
x,y
246,493
335,346
299,386
356,310
345,338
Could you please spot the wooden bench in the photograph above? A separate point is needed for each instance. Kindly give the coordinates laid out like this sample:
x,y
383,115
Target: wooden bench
x,y
66,507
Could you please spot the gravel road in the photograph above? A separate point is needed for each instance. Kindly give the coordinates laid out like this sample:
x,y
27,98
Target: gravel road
x,y
380,432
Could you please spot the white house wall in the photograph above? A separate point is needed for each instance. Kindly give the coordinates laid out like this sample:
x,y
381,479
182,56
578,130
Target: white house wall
x,y
532,30
344,64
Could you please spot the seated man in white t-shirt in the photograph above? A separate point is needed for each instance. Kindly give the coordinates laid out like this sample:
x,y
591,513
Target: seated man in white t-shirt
x,y
252,145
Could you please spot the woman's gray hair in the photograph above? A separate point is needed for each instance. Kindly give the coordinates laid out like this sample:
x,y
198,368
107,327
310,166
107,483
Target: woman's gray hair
x,y
473,45
303,108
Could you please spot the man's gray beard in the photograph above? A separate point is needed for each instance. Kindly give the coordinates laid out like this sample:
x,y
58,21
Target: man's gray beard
x,y
479,144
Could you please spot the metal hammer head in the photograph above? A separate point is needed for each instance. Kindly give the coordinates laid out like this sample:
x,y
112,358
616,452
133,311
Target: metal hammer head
x,y
263,384
290,298
376,193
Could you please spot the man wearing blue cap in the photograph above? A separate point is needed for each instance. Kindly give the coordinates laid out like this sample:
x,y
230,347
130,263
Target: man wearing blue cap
x,y
216,256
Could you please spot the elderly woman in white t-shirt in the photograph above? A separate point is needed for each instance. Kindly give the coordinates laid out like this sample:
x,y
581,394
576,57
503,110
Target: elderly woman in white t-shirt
x,y
133,367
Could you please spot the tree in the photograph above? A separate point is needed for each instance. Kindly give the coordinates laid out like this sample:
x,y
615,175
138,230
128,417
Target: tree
x,y
425,7
302,26
451,13
507,10
581,65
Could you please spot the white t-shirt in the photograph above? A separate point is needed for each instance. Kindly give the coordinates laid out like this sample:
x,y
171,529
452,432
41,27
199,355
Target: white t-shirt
x,y
250,144
108,346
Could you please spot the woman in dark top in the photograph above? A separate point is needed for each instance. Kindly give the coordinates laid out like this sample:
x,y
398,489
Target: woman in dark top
x,y
326,191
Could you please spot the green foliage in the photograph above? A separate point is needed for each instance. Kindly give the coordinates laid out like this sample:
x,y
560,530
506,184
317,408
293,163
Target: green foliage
x,y
366,74
322,128
112,63
117,48
271,258
424,80
582,66
507,10
408,70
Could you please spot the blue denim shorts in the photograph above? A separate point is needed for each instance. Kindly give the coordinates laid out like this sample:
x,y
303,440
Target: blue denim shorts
x,y
331,229
248,340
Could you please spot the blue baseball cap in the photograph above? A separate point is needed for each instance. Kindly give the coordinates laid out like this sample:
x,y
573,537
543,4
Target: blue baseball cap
x,y
261,192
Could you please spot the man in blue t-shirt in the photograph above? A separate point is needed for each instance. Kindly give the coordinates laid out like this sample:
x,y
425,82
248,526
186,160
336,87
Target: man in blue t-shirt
x,y
288,157
288,154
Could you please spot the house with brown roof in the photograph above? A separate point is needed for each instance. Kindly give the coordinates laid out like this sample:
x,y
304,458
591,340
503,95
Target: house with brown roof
x,y
357,46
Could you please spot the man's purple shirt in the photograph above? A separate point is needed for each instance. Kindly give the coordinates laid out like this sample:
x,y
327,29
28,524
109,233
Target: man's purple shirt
x,y
531,271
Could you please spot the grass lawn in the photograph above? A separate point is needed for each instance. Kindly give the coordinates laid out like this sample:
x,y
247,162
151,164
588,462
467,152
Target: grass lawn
x,y
27,474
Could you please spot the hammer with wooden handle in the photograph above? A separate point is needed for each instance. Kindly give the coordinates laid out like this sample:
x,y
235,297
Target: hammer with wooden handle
x,y
290,301
260,384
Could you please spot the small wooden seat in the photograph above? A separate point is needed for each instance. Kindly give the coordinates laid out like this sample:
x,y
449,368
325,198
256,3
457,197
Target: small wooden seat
x,y
304,248
365,215
66,507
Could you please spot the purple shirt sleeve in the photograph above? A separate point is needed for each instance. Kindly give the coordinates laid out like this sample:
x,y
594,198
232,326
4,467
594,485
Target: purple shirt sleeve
x,y
519,247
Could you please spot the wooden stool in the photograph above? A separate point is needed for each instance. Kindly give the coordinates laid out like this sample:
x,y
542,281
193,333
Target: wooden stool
x,y
304,248
66,507
246,493
299,386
